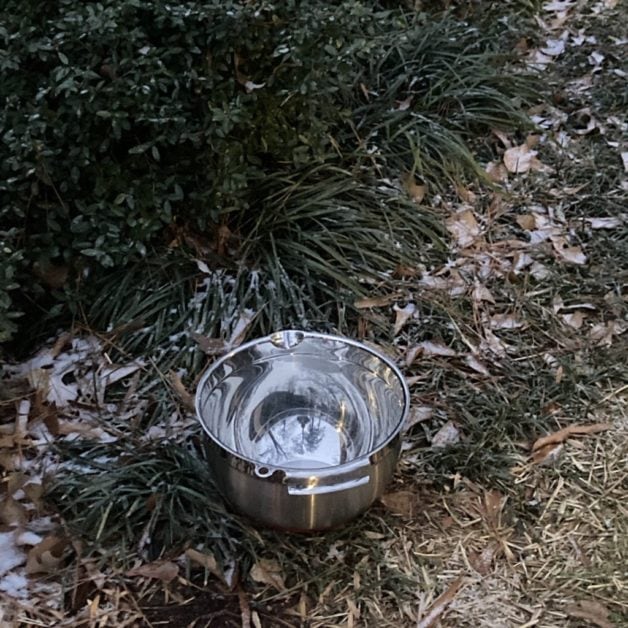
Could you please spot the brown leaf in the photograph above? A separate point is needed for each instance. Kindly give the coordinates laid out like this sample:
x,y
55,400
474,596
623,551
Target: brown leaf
x,y
505,321
483,561
418,414
404,503
12,513
520,159
497,172
574,320
547,455
415,191
482,293
46,556
378,301
464,228
571,430
268,572
209,346
493,343
493,505
206,560
526,221
53,275
472,362
449,434
163,570
591,611
35,492
440,604
570,254
402,315
429,348
603,333
245,609
181,391
403,272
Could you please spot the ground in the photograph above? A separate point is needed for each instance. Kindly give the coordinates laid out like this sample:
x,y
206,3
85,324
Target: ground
x,y
509,504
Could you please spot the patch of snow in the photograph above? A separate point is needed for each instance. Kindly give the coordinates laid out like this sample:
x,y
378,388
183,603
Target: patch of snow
x,y
15,585
28,538
10,555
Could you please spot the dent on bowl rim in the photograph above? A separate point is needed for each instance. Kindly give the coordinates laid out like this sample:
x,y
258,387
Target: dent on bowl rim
x,y
352,464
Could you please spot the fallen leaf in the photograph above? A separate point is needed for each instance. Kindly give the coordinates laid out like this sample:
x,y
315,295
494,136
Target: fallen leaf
x,y
519,159
483,561
53,275
440,604
206,560
574,320
539,271
245,609
374,536
429,349
12,513
584,122
466,195
464,228
493,343
554,47
558,5
596,59
493,505
472,362
603,333
482,293
163,570
502,137
418,414
238,333
505,321
209,346
526,221
591,611
521,261
45,557
547,455
268,572
449,434
497,172
415,191
403,272
404,503
181,391
379,301
571,430
611,222
402,314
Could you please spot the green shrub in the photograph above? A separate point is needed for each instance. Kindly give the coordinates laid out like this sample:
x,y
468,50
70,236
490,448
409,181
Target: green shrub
x,y
124,119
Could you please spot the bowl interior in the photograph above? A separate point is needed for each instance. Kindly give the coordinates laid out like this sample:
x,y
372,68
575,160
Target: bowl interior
x,y
306,401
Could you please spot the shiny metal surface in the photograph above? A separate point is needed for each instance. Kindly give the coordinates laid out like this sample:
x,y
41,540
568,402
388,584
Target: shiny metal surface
x,y
304,427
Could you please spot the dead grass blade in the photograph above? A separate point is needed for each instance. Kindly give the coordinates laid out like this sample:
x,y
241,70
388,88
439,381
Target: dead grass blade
x,y
440,604
571,430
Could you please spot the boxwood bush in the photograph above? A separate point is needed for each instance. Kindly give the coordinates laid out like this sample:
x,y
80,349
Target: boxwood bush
x,y
123,122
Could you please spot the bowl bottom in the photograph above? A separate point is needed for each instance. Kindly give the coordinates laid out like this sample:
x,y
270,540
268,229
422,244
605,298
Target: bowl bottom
x,y
299,438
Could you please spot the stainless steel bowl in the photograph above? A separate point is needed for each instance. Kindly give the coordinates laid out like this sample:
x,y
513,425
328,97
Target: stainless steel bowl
x,y
304,428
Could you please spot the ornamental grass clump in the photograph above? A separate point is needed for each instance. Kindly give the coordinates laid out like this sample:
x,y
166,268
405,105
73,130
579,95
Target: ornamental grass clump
x,y
229,129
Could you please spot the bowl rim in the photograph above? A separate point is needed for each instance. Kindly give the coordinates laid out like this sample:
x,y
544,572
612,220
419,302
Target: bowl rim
x,y
346,466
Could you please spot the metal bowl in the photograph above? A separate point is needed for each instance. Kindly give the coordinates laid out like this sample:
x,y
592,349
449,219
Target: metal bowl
x,y
304,428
